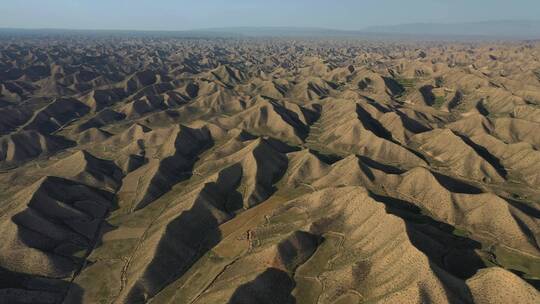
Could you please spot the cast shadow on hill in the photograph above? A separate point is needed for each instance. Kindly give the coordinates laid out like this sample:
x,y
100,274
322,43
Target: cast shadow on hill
x,y
485,154
427,95
61,219
273,286
62,254
373,125
453,259
74,294
379,166
532,237
372,102
300,130
186,239
455,185
523,207
194,233
393,86
16,287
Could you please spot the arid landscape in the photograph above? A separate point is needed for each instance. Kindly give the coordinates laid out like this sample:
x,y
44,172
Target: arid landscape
x,y
275,170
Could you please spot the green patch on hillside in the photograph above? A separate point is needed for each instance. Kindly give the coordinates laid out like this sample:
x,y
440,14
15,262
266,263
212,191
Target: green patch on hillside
x,y
439,101
407,83
461,232
511,259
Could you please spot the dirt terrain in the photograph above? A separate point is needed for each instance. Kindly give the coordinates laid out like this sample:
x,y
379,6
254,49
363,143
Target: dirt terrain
x,y
163,170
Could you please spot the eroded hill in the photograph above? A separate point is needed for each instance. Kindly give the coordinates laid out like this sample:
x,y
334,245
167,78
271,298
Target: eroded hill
x,y
278,171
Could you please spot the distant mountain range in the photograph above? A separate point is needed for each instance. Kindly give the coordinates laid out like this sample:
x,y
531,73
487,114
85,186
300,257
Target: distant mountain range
x,y
504,29
510,29
488,29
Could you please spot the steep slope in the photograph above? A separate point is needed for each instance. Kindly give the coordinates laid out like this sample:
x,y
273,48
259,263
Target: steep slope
x,y
451,151
25,145
87,169
342,129
171,163
154,168
52,226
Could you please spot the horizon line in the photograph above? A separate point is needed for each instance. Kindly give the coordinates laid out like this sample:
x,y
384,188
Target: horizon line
x,y
199,29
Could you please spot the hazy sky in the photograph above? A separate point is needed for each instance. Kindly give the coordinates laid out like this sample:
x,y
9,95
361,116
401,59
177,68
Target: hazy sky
x,y
185,15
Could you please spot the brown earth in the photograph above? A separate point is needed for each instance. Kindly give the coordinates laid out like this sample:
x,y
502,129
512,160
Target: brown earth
x,y
162,170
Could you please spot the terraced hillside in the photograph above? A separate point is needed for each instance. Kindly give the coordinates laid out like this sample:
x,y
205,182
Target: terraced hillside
x,y
161,170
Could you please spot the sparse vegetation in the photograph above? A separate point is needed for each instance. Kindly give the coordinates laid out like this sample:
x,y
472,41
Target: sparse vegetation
x,y
365,83
407,83
461,232
439,81
327,177
515,260
439,102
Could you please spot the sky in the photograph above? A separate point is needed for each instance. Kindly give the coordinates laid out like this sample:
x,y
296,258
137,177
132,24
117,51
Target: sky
x,y
200,14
